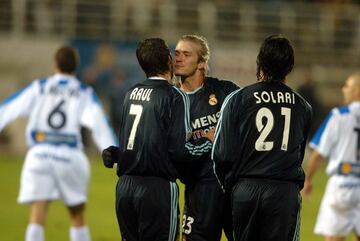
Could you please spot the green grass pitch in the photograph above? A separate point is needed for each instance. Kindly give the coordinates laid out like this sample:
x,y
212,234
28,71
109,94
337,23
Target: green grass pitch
x,y
100,209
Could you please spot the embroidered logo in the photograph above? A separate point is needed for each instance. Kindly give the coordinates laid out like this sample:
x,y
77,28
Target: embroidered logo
x,y
212,99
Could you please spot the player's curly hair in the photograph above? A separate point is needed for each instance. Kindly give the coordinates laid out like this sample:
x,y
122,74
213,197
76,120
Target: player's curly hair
x,y
154,56
275,59
67,59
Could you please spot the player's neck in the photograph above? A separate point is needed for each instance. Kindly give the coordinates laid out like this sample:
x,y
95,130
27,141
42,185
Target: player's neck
x,y
166,76
192,83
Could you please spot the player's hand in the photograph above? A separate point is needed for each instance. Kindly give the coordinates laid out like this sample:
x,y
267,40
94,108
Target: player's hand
x,y
308,188
210,135
110,156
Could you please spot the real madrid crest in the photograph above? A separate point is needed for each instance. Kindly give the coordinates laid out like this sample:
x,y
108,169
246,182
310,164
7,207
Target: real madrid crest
x,y
212,99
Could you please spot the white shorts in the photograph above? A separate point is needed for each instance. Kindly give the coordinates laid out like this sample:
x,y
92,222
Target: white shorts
x,y
340,207
54,172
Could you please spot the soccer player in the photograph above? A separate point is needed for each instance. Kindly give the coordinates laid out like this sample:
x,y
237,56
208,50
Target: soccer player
x,y
154,128
55,166
206,210
338,140
259,147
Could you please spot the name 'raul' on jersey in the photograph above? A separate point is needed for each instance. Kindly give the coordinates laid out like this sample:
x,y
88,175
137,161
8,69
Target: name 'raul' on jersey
x,y
142,94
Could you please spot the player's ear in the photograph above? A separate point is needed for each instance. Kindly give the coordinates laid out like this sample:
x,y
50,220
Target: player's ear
x,y
357,92
201,65
170,59
170,62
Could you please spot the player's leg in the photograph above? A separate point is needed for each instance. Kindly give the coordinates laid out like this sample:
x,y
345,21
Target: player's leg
x,y
334,238
227,217
72,172
335,223
39,211
158,210
246,211
147,208
35,228
357,237
78,230
36,187
125,211
281,209
357,225
203,211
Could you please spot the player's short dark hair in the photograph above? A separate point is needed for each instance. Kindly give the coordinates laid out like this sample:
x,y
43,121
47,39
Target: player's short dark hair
x,y
275,59
153,55
67,59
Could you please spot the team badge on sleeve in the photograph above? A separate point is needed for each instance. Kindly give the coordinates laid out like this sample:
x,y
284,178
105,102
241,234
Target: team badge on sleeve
x,y
40,136
347,168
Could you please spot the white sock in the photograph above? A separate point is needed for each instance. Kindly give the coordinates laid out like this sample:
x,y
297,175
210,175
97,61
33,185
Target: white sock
x,y
34,232
79,234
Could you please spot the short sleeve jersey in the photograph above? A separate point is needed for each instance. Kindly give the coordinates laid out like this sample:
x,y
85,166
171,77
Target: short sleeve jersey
x,y
57,108
338,138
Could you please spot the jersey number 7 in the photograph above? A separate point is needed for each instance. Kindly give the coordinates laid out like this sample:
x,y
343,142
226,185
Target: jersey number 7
x,y
137,111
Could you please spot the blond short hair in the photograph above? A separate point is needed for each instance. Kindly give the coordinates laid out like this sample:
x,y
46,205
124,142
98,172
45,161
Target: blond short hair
x,y
204,52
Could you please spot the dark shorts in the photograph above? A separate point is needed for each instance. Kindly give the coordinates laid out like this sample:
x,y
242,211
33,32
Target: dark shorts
x,y
266,210
207,211
147,208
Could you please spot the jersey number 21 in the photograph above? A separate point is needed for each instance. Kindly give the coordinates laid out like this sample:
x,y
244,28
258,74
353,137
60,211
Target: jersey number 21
x,y
261,144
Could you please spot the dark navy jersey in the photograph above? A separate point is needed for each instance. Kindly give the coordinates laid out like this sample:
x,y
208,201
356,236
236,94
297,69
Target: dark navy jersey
x,y
152,130
262,133
205,105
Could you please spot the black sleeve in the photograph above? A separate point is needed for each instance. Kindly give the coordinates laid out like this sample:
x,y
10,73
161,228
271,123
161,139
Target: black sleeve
x,y
309,115
180,148
229,86
224,147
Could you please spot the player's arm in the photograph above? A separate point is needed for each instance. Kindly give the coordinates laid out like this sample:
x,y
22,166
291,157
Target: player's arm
x,y
180,147
17,105
306,130
193,152
110,156
322,144
94,118
224,146
313,166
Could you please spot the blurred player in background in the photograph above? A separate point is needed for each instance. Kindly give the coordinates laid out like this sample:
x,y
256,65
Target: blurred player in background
x,y
338,140
56,166
206,211
154,127
259,148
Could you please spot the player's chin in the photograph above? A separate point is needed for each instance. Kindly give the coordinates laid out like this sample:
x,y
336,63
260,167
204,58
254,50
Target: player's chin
x,y
179,70
180,73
